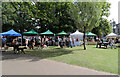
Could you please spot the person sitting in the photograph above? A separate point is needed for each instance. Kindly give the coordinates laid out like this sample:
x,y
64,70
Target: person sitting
x,y
44,46
112,44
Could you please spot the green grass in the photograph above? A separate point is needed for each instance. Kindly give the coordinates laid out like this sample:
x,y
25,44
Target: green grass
x,y
94,58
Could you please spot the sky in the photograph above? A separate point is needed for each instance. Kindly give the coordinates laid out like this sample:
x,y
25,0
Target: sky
x,y
113,10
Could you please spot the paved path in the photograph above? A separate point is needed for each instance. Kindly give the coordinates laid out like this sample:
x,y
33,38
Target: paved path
x,y
23,64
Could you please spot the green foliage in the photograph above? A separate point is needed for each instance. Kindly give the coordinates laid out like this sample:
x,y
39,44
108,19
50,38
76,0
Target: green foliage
x,y
28,15
104,28
93,58
56,16
86,15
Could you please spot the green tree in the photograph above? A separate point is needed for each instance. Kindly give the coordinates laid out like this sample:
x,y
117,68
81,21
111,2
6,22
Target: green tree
x,y
86,15
104,28
29,15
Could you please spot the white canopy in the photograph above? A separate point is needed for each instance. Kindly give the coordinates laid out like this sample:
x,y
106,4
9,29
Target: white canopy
x,y
112,35
77,34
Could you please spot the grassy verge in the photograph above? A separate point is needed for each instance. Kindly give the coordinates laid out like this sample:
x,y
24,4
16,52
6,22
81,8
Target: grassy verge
x,y
94,58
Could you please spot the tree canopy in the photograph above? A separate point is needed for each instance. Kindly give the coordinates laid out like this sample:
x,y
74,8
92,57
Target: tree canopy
x,y
86,15
41,16
44,15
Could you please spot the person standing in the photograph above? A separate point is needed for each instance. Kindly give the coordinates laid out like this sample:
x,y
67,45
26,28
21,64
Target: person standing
x,y
112,44
70,41
39,42
43,40
64,41
98,43
16,45
4,40
61,42
46,41
74,40
58,41
26,42
34,41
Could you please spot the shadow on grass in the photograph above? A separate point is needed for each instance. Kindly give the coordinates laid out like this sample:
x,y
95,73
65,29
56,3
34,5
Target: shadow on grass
x,y
46,53
100,48
35,54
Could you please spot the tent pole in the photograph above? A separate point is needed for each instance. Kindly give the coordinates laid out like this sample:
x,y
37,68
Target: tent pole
x,y
21,39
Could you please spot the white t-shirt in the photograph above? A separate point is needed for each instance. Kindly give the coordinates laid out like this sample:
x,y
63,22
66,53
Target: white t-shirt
x,y
27,41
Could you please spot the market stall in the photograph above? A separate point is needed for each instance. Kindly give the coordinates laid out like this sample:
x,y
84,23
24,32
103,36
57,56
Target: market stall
x,y
11,33
48,32
62,33
112,35
32,32
78,38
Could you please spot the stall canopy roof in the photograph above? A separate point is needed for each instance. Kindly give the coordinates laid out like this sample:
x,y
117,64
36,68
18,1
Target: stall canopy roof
x,y
10,33
77,33
90,34
48,32
112,35
31,32
62,33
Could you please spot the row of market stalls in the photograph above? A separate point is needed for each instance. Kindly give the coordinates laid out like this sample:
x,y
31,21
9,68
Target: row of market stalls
x,y
76,34
48,32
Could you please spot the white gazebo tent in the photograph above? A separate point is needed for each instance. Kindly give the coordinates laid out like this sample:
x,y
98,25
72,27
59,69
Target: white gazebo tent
x,y
76,35
112,35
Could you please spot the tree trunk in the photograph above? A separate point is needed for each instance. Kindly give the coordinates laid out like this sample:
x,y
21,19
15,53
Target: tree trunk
x,y
84,38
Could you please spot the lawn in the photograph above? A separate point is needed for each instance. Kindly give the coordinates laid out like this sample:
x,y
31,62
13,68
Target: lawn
x,y
94,58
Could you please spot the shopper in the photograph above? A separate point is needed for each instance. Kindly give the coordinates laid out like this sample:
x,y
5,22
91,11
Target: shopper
x,y
39,42
26,41
4,40
16,45
70,42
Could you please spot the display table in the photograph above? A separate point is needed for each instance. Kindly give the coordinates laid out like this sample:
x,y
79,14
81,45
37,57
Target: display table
x,y
78,43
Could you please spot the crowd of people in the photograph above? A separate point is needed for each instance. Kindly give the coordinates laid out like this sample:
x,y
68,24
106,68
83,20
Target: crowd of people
x,y
45,41
110,42
42,42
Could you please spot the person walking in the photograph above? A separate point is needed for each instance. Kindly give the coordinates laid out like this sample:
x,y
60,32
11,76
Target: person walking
x,y
16,45
70,41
